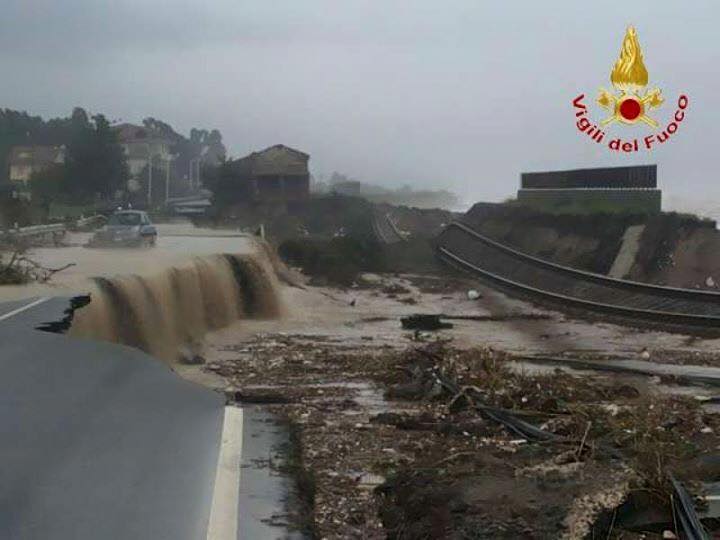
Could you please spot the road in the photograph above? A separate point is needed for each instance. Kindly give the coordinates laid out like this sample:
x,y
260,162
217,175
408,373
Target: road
x,y
98,440
177,244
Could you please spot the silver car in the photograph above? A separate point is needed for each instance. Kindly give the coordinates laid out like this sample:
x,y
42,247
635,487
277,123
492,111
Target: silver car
x,y
126,228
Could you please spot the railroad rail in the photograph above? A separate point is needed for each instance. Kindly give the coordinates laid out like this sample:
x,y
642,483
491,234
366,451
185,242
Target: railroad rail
x,y
581,292
385,229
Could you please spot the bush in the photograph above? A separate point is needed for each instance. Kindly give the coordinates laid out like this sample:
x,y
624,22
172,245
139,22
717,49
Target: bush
x,y
339,260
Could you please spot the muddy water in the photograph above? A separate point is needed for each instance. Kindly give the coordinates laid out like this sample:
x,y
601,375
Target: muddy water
x,y
178,306
161,299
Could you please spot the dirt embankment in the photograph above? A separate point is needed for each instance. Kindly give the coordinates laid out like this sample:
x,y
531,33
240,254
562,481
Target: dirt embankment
x,y
330,216
334,238
683,256
674,249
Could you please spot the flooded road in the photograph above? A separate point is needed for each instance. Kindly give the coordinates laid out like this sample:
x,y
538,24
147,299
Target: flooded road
x,y
177,244
163,298
367,317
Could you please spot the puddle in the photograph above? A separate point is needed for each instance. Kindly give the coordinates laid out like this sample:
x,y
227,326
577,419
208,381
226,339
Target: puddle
x,y
267,491
699,391
369,398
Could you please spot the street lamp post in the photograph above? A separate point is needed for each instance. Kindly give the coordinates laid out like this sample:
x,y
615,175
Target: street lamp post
x,y
150,167
195,172
149,179
169,159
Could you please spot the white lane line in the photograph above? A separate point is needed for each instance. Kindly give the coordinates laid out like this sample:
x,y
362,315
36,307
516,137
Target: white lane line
x,y
224,511
25,307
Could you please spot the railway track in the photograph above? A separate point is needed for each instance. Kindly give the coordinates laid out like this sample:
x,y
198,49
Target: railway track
x,y
581,292
385,229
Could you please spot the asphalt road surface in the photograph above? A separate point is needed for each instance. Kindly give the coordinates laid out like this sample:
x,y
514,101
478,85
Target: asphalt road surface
x,y
99,440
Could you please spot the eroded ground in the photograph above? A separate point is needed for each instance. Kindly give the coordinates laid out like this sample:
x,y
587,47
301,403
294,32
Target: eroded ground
x,y
400,434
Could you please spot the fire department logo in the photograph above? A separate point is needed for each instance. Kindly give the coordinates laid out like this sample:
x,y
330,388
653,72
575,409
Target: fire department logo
x,y
630,102
629,77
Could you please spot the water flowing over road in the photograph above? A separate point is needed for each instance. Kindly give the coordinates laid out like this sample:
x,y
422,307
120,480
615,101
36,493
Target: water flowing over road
x,y
104,441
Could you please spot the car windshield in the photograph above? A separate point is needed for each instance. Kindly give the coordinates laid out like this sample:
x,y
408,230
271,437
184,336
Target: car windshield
x,y
124,219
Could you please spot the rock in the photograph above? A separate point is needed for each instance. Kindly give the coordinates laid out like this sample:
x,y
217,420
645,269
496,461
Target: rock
x,y
710,282
472,294
194,360
260,397
423,322
645,354
627,391
188,357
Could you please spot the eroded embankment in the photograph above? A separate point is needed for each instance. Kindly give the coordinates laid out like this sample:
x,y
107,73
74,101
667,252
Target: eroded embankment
x,y
176,307
672,248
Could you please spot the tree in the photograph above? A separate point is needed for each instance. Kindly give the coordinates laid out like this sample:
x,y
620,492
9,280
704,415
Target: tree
x,y
161,128
46,186
95,162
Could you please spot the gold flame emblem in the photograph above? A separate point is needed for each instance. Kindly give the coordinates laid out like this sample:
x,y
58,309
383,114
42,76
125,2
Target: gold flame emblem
x,y
630,77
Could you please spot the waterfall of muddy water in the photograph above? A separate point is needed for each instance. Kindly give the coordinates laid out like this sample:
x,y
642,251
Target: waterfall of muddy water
x,y
159,313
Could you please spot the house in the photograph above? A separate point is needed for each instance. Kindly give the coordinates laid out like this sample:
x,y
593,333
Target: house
x,y
139,143
350,188
24,161
277,174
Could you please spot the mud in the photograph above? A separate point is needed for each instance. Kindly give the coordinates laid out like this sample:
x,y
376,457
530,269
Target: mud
x,y
163,299
392,458
158,313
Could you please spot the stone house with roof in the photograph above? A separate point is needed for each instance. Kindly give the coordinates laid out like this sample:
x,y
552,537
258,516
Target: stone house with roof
x,y
276,174
24,161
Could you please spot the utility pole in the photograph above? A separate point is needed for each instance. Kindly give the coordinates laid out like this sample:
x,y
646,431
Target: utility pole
x,y
149,178
170,159
167,181
195,172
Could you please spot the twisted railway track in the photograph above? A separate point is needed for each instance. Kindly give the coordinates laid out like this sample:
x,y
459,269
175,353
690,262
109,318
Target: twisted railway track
x,y
583,293
385,229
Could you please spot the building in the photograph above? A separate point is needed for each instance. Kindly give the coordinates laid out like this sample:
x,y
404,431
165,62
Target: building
x,y
139,144
610,189
24,161
277,174
351,188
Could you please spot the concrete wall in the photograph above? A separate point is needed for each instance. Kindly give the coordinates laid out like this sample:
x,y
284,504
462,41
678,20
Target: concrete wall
x,y
592,200
639,176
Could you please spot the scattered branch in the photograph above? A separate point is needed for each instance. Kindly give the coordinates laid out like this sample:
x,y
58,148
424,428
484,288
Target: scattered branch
x,y
20,269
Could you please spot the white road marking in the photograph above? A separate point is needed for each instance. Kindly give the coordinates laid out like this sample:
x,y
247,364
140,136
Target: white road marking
x,y
224,511
25,307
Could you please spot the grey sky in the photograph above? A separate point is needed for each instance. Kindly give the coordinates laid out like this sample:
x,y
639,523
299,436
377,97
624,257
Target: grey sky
x,y
456,94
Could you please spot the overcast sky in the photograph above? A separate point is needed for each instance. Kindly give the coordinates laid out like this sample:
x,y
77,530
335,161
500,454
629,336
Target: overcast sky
x,y
457,94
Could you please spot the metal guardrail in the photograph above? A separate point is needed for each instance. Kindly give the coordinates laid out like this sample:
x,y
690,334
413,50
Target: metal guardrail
x,y
35,230
537,279
82,222
55,229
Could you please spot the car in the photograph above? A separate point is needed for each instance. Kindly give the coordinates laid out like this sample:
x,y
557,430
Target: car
x,y
131,228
